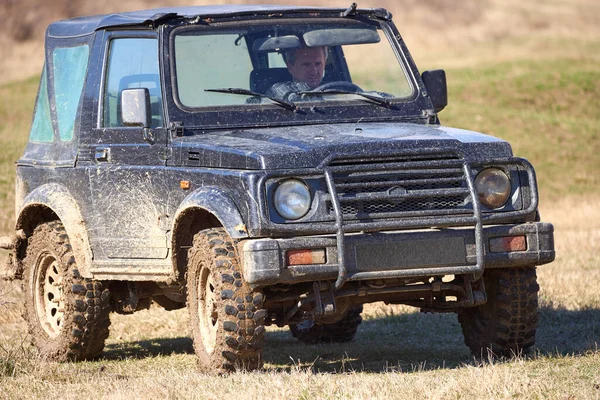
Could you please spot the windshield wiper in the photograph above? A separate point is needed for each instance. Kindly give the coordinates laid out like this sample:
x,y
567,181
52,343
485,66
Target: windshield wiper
x,y
288,105
382,101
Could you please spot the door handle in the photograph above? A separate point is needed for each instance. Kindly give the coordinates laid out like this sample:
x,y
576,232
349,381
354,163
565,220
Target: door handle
x,y
102,154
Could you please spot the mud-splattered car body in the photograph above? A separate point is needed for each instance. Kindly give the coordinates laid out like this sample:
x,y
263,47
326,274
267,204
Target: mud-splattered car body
x,y
143,153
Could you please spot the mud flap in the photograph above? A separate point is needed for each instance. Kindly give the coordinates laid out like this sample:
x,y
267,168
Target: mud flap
x,y
11,267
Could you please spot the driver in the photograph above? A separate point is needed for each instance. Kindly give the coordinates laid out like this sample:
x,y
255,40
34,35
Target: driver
x,y
306,65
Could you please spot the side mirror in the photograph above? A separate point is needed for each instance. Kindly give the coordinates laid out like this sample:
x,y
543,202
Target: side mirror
x,y
435,83
135,107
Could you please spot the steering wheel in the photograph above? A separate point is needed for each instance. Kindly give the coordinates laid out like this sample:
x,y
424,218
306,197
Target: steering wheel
x,y
338,85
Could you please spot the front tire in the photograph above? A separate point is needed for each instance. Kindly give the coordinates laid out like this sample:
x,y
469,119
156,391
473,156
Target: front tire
x,y
67,315
226,315
507,323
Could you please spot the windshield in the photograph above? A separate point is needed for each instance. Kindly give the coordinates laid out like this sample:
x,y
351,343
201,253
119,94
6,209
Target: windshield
x,y
286,63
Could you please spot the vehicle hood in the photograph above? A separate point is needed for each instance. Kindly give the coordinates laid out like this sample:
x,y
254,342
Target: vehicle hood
x,y
312,145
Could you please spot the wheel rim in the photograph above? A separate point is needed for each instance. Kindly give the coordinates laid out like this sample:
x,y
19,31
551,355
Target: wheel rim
x,y
49,298
207,310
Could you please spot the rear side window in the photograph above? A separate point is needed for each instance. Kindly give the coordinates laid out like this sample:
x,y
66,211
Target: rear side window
x,y
133,63
69,70
41,128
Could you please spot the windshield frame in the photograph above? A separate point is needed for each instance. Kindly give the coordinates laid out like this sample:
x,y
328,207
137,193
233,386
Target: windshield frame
x,y
309,112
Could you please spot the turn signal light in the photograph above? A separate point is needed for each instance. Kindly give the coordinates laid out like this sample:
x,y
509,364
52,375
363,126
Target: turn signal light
x,y
508,243
306,257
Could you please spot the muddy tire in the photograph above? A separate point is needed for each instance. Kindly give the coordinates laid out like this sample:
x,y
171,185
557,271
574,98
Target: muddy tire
x,y
506,324
67,315
311,332
227,318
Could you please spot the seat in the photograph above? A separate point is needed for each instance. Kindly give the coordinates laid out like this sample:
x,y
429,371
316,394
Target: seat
x,y
262,79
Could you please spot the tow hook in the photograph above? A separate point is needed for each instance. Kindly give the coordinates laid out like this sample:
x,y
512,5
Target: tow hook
x,y
324,305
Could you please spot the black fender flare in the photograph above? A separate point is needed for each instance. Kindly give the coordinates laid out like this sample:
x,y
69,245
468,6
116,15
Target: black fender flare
x,y
219,204
59,200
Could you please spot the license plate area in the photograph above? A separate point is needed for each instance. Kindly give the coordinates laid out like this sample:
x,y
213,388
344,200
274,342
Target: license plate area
x,y
381,253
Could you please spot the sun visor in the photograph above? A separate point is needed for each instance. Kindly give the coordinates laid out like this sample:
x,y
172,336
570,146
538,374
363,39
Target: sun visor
x,y
340,36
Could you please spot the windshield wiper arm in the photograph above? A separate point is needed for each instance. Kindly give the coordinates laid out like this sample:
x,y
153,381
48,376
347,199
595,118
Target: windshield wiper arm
x,y
382,101
288,105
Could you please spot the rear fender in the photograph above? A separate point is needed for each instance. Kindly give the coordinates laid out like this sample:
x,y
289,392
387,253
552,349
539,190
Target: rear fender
x,y
57,199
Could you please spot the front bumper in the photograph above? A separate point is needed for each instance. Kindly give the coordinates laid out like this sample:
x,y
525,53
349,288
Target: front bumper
x,y
397,254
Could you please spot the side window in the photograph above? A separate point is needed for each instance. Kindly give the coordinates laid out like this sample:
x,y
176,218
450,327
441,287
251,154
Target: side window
x,y
132,63
69,67
41,128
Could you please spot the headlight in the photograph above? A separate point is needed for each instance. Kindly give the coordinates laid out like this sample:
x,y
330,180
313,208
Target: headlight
x,y
292,199
493,187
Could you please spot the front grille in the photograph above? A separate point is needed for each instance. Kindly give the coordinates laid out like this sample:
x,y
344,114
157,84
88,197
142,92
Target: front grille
x,y
433,186
380,207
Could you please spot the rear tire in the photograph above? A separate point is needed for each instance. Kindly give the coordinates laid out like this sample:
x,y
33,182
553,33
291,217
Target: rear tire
x,y
67,315
226,315
507,323
311,332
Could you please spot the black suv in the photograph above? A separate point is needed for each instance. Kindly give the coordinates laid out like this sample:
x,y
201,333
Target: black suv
x,y
161,167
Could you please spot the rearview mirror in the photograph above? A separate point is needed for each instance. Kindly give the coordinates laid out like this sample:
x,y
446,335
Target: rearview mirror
x,y
435,83
135,107
277,43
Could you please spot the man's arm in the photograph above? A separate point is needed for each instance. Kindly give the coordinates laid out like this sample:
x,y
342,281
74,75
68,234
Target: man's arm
x,y
288,90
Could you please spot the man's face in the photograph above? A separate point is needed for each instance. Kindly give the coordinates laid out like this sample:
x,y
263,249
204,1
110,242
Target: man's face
x,y
309,66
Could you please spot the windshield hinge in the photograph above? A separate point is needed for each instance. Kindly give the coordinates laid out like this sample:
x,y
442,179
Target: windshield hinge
x,y
350,10
431,116
176,128
381,13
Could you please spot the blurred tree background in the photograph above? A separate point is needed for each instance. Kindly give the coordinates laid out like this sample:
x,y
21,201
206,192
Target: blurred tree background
x,y
440,33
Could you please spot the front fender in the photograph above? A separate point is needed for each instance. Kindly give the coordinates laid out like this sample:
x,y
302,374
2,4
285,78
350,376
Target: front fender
x,y
60,201
219,204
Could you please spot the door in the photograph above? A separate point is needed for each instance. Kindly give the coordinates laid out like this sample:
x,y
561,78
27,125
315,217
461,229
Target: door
x,y
127,176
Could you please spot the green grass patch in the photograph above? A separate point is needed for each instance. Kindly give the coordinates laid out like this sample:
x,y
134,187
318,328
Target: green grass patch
x,y
16,107
547,110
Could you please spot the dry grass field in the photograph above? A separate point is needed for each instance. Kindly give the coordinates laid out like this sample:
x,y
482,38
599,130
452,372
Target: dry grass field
x,y
528,72
398,353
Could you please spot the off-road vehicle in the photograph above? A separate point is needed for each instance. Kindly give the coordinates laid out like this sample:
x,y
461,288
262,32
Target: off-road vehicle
x,y
159,169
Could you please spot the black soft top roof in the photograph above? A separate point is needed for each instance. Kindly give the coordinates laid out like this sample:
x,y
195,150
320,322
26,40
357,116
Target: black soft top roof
x,y
86,25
